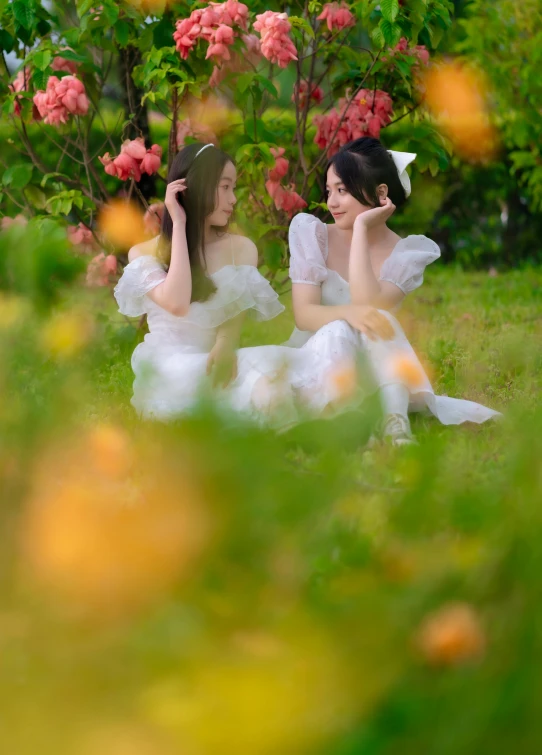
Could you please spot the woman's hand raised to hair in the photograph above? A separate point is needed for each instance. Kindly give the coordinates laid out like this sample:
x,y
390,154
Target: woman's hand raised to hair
x,y
177,212
369,321
376,215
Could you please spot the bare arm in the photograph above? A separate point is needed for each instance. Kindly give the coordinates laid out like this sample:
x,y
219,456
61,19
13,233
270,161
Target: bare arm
x,y
310,314
364,287
175,293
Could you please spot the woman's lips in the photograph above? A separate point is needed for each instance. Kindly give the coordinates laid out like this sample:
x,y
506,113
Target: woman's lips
x,y
338,214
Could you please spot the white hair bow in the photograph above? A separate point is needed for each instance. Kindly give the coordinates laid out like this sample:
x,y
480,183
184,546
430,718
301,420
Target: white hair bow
x,y
401,160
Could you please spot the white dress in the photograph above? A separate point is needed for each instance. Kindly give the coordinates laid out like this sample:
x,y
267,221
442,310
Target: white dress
x,y
170,365
338,343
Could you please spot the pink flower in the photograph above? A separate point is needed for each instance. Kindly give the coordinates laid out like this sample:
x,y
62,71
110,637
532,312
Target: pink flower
x,y
338,16
316,96
274,30
127,167
273,188
280,169
365,115
134,159
221,38
285,199
232,12
61,64
20,84
213,24
62,98
107,162
7,222
153,218
419,51
101,269
134,148
152,160
198,131
80,235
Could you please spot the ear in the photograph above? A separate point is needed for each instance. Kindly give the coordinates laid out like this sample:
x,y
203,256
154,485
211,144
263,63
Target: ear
x,y
382,191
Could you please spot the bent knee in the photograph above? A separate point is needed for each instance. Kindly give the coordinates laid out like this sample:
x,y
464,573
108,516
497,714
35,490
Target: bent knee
x,y
338,329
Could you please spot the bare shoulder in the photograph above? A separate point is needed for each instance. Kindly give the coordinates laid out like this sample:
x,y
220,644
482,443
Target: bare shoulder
x,y
146,247
245,250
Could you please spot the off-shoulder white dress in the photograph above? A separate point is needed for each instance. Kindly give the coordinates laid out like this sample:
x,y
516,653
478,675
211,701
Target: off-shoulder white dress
x,y
170,364
338,343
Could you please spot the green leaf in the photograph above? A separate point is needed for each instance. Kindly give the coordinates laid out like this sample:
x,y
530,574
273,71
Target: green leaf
x,y
389,9
391,32
42,59
244,81
378,37
267,85
36,197
23,11
40,78
122,33
18,176
6,41
301,23
84,6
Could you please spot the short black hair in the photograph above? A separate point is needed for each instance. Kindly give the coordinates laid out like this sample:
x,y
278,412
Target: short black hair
x,y
364,164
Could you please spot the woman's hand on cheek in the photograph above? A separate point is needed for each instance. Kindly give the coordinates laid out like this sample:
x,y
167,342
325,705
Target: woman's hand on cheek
x,y
376,215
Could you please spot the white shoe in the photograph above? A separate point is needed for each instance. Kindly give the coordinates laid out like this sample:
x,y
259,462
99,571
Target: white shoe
x,y
396,429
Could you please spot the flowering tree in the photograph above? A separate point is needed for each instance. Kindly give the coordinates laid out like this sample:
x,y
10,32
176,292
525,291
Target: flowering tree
x,y
219,72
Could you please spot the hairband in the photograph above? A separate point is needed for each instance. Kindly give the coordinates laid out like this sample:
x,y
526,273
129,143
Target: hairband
x,y
204,147
401,160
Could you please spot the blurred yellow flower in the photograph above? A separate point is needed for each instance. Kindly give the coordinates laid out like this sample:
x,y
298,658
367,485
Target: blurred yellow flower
x,y
122,224
67,333
456,95
12,310
105,543
266,695
451,635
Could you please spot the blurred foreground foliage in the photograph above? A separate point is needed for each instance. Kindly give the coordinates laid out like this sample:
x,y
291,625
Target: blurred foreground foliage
x,y
209,587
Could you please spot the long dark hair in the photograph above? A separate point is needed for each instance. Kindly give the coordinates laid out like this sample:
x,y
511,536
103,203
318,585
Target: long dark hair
x,y
199,200
364,164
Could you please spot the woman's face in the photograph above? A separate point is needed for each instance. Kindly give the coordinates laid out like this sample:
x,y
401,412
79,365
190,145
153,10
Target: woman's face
x,y
225,197
342,205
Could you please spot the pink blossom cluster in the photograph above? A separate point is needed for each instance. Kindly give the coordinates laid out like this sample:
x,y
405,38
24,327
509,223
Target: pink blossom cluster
x,y
198,131
274,30
81,236
7,221
21,83
300,94
134,160
286,199
62,98
368,112
214,25
62,64
101,269
338,16
419,51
